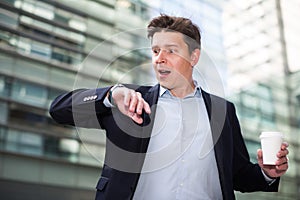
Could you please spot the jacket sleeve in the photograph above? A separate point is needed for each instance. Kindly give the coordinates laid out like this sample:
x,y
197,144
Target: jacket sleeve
x,y
247,176
81,108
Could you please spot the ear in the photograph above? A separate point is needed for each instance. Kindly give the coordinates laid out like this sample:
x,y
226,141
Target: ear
x,y
195,55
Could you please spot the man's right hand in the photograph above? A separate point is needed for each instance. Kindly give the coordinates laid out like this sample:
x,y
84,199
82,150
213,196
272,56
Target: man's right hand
x,y
130,103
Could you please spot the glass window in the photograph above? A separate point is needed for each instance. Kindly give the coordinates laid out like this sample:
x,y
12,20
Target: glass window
x,y
99,29
266,104
24,142
59,54
12,139
249,100
8,18
29,21
44,10
28,5
61,32
26,118
51,146
98,10
32,94
24,45
91,43
4,37
252,147
79,38
74,37
102,51
62,78
31,70
9,1
39,33
61,148
40,49
62,16
3,113
26,20
43,26
75,58
69,149
91,153
4,86
2,137
78,23
38,8
30,143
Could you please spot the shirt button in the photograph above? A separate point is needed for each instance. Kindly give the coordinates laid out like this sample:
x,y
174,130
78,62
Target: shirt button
x,y
181,184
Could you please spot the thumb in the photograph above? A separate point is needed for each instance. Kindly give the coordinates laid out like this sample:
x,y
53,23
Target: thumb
x,y
259,153
259,157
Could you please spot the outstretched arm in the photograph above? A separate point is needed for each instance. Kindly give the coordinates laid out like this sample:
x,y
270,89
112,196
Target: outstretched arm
x,y
85,107
82,107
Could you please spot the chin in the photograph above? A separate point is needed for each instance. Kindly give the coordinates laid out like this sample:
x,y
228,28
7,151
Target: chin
x,y
164,85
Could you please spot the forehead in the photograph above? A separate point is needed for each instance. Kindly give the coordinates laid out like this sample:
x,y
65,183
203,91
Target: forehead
x,y
162,39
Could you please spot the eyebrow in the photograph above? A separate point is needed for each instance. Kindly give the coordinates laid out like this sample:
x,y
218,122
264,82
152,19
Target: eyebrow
x,y
168,46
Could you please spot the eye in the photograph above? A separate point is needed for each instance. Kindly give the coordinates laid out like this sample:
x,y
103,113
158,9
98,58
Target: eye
x,y
155,51
171,51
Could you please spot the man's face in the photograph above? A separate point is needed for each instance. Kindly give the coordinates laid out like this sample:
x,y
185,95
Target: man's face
x,y
171,60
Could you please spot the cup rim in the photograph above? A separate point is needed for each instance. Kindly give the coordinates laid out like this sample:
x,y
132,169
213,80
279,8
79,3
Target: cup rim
x,y
265,134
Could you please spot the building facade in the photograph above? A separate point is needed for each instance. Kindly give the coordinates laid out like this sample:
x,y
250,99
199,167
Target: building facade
x,y
264,77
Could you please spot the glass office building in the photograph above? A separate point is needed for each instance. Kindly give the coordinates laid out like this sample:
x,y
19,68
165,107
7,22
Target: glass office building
x,y
261,46
48,47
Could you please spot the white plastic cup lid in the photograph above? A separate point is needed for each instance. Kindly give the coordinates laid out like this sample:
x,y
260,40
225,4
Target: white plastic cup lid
x,y
271,134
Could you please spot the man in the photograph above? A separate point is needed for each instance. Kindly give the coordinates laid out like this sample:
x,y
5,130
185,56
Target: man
x,y
172,140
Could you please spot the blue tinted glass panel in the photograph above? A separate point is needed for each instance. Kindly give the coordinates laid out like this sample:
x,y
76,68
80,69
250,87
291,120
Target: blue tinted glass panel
x,y
29,93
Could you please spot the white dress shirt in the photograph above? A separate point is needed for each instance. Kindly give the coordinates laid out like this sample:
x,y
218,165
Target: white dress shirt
x,y
180,161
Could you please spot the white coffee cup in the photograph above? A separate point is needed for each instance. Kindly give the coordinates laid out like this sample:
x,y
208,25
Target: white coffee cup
x,y
270,143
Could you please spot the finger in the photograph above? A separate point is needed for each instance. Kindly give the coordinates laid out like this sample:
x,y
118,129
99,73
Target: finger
x,y
282,153
259,157
140,104
133,102
147,107
137,118
284,145
282,167
127,98
282,161
259,153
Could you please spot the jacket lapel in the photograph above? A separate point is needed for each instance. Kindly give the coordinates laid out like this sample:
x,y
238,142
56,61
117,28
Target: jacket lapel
x,y
148,120
216,110
151,97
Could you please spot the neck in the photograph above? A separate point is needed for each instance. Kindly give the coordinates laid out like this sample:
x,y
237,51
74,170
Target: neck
x,y
183,91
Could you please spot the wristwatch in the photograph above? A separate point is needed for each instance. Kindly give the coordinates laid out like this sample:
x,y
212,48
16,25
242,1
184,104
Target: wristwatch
x,y
111,100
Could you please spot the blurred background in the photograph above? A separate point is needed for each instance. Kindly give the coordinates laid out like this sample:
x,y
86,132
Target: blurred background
x,y
51,46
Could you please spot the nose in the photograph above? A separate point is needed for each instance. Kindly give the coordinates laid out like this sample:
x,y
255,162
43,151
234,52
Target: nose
x,y
160,57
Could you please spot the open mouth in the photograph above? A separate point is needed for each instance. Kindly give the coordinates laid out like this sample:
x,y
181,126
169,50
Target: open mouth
x,y
164,72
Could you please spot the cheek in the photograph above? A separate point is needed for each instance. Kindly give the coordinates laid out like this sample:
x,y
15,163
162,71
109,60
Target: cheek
x,y
153,60
155,68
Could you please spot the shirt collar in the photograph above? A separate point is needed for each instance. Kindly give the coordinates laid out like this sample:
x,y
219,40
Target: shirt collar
x,y
165,92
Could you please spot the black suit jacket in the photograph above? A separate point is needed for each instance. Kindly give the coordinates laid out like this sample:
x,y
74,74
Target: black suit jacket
x,y
127,142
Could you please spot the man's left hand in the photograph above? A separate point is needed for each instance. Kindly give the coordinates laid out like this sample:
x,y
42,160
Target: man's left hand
x,y
281,165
